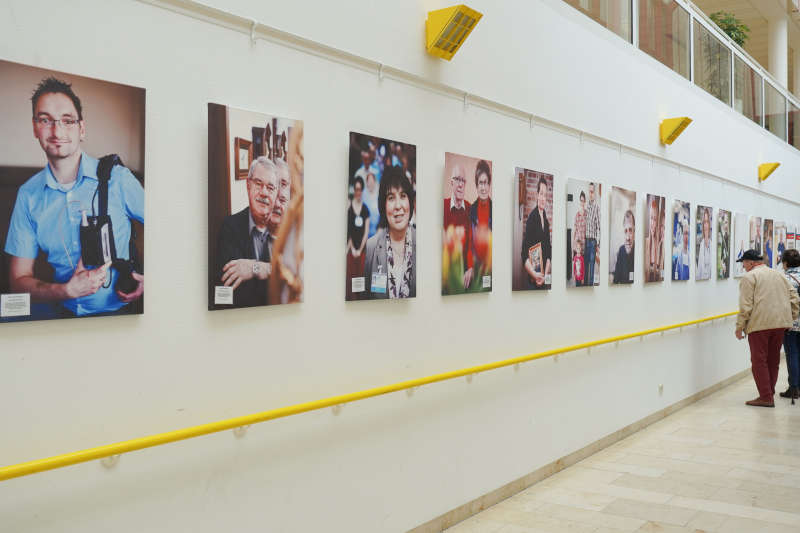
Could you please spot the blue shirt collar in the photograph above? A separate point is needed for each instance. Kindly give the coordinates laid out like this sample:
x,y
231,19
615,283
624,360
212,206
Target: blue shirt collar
x,y
86,169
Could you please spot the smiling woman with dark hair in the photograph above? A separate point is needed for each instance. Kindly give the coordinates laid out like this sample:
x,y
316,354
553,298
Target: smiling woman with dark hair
x,y
390,263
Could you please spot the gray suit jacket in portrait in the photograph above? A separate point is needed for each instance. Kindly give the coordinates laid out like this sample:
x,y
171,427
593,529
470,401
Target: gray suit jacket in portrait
x,y
376,257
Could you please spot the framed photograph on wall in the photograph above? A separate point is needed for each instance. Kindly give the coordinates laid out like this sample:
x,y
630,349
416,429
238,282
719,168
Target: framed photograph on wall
x,y
255,210
702,243
584,200
768,242
66,261
681,236
754,241
723,244
622,236
243,153
655,216
381,219
780,239
532,250
467,225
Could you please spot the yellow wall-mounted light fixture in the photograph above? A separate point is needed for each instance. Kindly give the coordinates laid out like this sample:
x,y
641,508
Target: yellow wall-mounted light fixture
x,y
765,169
672,127
446,29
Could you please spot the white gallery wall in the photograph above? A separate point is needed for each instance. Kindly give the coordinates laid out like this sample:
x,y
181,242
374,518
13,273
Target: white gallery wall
x,y
393,462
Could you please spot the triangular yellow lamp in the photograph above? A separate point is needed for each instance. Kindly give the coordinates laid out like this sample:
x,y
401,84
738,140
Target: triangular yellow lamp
x,y
446,29
765,169
672,127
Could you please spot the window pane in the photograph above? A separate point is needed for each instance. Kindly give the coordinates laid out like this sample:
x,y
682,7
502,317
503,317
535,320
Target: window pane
x,y
746,90
775,114
712,64
613,14
664,33
794,125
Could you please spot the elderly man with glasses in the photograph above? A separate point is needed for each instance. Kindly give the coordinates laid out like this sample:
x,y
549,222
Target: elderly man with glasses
x,y
456,214
243,249
49,209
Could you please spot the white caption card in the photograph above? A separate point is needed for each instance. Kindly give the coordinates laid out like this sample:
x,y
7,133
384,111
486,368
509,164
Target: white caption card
x,y
15,305
223,295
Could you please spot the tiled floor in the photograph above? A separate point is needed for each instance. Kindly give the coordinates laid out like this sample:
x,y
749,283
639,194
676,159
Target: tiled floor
x,y
716,465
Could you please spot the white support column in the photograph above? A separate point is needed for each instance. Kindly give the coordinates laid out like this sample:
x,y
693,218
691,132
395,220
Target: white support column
x,y
778,29
796,70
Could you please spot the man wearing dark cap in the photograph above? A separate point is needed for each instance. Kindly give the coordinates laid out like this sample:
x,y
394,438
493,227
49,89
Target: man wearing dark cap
x,y
768,304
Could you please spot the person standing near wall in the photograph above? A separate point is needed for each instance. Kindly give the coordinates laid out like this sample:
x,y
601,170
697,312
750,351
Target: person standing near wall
x,y
592,234
768,304
791,339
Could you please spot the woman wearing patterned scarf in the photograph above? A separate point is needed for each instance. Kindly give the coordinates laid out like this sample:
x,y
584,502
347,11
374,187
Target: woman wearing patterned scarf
x,y
391,267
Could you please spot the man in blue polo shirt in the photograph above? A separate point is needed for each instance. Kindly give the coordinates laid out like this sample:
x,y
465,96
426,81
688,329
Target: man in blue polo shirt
x,y
49,207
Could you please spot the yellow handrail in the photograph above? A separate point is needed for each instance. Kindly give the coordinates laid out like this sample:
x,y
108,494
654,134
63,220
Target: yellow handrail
x,y
82,456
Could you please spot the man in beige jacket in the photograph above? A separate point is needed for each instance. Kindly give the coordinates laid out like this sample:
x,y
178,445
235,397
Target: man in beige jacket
x,y
768,305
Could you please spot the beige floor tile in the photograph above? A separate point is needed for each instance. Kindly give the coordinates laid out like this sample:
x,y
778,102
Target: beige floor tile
x,y
620,492
658,527
735,510
705,521
774,478
768,489
595,518
788,502
748,525
574,498
609,530
535,520
716,481
476,524
623,467
675,465
580,473
677,488
669,514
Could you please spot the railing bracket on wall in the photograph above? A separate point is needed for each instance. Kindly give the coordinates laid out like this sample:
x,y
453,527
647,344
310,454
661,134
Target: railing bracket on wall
x,y
240,431
110,461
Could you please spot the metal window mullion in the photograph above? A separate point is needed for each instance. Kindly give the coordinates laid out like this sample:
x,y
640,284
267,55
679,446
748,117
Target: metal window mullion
x,y
634,22
691,47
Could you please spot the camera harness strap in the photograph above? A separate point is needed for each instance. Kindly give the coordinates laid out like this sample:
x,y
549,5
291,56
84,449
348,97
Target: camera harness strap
x,y
104,168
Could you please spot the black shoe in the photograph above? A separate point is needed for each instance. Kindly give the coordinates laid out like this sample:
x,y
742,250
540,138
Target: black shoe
x,y
791,392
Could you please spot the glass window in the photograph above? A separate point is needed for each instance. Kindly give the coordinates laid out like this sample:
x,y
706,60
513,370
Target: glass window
x,y
613,14
747,95
794,125
664,33
712,64
775,111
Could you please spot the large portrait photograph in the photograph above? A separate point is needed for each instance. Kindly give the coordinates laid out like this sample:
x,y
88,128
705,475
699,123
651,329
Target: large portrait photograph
x,y
533,231
754,240
780,240
702,243
741,241
583,233
467,225
681,233
255,209
767,236
381,222
655,217
723,244
71,195
622,236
